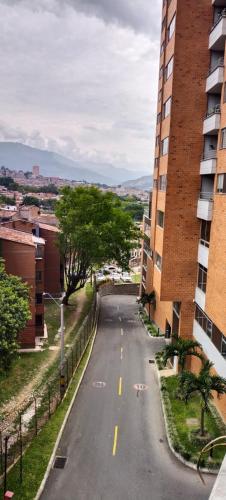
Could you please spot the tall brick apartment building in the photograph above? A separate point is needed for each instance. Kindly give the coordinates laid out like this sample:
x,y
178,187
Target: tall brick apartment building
x,y
186,261
29,251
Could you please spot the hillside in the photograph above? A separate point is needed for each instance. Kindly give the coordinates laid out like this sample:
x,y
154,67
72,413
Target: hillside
x,y
17,156
144,182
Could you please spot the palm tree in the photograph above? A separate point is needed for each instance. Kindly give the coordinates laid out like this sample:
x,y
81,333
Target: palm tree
x,y
181,348
148,298
203,384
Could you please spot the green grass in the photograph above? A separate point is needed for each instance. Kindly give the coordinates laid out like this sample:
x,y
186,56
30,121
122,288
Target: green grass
x,y
36,457
183,437
27,365
136,278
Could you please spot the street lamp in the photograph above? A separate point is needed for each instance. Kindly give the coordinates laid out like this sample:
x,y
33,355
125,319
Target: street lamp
x,y
61,306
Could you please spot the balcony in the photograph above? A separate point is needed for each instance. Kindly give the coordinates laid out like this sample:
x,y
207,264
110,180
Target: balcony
x,y
211,123
200,298
218,33
203,255
205,206
216,77
208,166
210,350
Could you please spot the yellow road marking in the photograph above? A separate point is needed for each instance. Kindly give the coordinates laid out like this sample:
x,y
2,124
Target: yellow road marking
x,y
121,352
121,331
120,387
115,441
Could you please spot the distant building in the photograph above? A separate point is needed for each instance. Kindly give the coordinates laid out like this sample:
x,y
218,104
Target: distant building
x,y
35,171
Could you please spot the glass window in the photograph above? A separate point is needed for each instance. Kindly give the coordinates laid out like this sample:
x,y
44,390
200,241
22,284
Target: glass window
x,y
167,107
171,28
160,218
162,47
155,184
223,346
205,233
38,298
221,183
38,276
158,261
161,72
159,116
160,95
162,182
157,141
223,138
202,278
38,320
169,68
165,146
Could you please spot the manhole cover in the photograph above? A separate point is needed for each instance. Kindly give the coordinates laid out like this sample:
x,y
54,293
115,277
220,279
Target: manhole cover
x,y
60,462
99,385
140,387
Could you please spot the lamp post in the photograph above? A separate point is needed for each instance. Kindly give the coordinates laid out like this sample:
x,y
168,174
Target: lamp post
x,y
61,306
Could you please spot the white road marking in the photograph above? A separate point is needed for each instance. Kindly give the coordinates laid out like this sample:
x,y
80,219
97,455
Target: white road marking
x,y
122,331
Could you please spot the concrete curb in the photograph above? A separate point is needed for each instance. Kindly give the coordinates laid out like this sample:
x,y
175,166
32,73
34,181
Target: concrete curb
x,y
49,466
177,455
149,334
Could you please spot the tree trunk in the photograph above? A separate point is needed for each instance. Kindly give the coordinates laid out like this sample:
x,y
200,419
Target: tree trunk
x,y
202,422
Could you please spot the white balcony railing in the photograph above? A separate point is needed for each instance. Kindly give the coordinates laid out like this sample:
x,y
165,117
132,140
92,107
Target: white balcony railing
x,y
211,123
205,207
208,166
200,298
218,33
203,255
215,78
209,349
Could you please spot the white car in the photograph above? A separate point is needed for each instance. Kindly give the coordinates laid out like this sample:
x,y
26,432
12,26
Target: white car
x,y
126,278
115,277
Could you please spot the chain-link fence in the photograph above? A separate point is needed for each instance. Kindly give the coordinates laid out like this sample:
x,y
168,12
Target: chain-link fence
x,y
43,403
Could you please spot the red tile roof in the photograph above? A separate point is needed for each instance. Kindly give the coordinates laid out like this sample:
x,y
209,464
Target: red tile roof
x,y
9,234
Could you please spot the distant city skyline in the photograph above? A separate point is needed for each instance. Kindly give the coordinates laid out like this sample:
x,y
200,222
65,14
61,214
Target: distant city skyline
x,y
80,78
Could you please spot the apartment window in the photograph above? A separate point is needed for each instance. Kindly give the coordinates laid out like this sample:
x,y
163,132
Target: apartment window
x,y
163,23
161,72
205,233
169,69
157,140
155,184
158,261
167,107
160,95
204,321
165,146
223,346
39,252
159,116
38,298
156,162
171,28
162,48
38,276
202,278
162,182
221,183
160,218
223,138
38,320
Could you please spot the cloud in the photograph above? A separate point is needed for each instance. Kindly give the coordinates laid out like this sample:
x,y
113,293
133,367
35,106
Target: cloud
x,y
78,81
140,15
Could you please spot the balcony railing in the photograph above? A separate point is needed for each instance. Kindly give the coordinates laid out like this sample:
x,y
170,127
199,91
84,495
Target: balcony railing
x,y
204,195
218,64
213,111
221,15
210,155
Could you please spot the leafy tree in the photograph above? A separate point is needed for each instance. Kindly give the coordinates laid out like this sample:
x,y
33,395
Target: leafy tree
x,y
181,348
94,230
9,183
148,298
203,384
14,314
31,200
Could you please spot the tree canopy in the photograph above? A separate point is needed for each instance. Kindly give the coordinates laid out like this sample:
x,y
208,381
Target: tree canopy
x,y
94,230
14,314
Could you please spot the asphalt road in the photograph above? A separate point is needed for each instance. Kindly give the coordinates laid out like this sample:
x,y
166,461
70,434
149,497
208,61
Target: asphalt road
x,y
114,439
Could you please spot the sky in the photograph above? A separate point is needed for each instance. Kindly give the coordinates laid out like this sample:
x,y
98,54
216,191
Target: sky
x,y
79,77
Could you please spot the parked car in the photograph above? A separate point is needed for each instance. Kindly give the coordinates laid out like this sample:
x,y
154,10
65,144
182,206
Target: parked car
x,y
126,278
115,276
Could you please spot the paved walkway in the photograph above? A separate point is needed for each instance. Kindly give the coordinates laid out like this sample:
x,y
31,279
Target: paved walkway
x,y
114,441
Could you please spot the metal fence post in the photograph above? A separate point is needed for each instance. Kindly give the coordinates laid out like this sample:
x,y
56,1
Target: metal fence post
x,y
5,464
21,449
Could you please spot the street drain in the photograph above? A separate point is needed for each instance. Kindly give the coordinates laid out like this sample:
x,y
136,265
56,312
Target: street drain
x,y
152,361
60,462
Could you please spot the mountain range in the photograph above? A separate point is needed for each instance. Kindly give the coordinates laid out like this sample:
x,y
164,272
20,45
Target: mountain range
x,y
18,156
144,182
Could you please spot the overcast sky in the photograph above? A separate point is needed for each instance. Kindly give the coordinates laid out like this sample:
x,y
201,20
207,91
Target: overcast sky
x,y
79,77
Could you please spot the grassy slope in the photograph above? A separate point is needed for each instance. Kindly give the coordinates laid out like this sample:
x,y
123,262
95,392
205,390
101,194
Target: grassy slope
x,y
182,412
